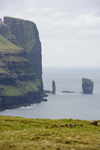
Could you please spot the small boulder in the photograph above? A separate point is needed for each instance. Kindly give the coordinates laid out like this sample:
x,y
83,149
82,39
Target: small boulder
x,y
94,123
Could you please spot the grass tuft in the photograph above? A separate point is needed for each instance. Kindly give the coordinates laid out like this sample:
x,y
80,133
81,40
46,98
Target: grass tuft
x,y
22,133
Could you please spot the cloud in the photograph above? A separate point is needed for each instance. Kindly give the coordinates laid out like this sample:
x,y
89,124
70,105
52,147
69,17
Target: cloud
x,y
69,30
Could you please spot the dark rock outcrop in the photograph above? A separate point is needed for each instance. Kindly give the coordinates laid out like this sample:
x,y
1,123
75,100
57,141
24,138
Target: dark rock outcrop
x,y
69,92
20,77
87,86
94,123
53,87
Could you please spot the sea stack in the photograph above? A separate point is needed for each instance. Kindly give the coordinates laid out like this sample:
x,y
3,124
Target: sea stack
x,y
87,86
53,87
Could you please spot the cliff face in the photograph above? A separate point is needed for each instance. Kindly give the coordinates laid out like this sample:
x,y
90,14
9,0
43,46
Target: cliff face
x,y
27,36
6,32
20,77
87,86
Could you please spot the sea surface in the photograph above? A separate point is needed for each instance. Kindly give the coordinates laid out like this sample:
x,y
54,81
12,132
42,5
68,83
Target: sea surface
x,y
65,105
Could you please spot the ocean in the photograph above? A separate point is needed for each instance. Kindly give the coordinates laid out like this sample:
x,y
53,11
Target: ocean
x,y
65,105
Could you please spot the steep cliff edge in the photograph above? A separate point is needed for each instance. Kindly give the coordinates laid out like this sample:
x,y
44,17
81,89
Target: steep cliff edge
x,y
19,82
27,36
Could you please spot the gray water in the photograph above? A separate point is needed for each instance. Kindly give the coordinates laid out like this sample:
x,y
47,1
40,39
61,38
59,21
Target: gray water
x,y
65,105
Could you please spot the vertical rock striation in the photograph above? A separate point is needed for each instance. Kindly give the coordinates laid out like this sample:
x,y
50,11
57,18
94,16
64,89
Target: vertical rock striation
x,y
27,36
6,32
20,63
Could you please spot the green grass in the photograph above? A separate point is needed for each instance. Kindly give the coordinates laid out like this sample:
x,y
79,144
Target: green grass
x,y
26,70
11,91
36,134
14,18
31,86
22,88
15,59
7,46
3,70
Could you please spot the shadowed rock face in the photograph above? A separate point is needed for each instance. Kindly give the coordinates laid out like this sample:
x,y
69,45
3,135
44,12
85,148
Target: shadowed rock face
x,y
87,86
6,32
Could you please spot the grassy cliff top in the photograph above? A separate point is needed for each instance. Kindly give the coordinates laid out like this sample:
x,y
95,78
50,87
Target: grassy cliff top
x,y
27,33
17,18
39,134
88,81
7,46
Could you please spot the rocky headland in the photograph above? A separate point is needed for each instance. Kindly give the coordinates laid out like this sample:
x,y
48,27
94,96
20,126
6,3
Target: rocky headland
x,y
20,63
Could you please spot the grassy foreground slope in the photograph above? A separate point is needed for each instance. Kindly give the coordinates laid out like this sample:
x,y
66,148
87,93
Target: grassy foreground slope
x,y
37,134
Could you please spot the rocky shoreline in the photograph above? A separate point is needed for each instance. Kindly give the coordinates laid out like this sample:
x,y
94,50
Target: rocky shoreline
x,y
10,102
70,92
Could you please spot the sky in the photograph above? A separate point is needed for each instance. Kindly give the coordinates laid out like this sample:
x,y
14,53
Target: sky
x,y
69,30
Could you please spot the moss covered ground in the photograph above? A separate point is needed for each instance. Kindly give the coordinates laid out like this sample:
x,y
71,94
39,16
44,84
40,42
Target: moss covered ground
x,y
2,70
18,65
7,46
18,133
23,88
15,59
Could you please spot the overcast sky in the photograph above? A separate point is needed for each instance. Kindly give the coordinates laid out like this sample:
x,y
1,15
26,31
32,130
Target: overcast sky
x,y
69,30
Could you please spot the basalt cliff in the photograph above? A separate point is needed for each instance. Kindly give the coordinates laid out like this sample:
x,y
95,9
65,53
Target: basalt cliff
x,y
20,63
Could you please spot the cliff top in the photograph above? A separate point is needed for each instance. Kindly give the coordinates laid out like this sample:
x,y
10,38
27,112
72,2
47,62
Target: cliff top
x,y
25,31
17,19
84,80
